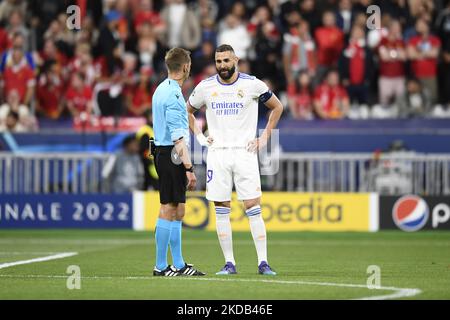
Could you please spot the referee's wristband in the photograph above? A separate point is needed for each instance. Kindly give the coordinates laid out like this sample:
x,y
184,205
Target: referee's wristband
x,y
190,169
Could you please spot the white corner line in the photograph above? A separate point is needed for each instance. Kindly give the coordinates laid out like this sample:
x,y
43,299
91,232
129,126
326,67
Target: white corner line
x,y
41,259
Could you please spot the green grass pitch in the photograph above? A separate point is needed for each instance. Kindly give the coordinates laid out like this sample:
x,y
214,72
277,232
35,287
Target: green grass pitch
x,y
310,265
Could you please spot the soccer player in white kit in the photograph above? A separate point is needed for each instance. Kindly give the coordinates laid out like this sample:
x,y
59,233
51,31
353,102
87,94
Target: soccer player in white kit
x,y
231,100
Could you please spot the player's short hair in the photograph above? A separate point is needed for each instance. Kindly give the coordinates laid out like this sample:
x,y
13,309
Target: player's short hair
x,y
224,48
176,57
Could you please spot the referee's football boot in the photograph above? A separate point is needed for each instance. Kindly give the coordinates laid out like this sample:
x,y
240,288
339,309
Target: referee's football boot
x,y
170,271
228,268
190,271
265,269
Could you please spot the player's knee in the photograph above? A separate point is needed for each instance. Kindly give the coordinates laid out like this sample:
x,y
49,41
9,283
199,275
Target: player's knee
x,y
179,215
224,204
168,211
167,215
254,210
248,204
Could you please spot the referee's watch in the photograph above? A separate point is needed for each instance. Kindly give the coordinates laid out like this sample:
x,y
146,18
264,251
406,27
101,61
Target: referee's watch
x,y
190,169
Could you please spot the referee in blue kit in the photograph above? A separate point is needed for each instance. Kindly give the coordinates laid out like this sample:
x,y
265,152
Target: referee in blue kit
x,y
173,164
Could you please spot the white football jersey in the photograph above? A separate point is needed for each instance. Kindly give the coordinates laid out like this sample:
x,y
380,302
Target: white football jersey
x,y
231,109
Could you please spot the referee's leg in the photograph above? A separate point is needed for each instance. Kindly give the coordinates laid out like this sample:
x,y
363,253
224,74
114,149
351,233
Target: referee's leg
x,y
175,237
183,268
167,214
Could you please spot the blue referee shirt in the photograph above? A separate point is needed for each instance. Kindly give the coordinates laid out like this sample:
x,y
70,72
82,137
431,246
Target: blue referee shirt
x,y
170,118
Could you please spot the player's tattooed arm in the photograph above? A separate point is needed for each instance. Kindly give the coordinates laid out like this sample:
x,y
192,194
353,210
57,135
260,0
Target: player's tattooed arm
x,y
276,108
202,140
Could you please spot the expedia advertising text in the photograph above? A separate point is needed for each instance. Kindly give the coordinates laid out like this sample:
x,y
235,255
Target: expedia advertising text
x,y
413,213
281,211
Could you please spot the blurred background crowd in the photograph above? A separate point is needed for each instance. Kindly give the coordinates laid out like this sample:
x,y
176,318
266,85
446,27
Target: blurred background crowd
x,y
318,56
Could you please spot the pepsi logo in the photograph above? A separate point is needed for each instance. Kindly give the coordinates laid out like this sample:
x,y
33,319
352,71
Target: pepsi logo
x,y
410,213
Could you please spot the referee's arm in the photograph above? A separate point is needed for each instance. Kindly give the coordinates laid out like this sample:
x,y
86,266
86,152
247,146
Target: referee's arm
x,y
174,118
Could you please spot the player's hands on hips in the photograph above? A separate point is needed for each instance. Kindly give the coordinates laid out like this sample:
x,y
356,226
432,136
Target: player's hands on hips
x,y
257,144
192,180
204,141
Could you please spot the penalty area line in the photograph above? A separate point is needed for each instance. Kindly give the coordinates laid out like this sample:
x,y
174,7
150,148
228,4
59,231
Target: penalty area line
x,y
397,292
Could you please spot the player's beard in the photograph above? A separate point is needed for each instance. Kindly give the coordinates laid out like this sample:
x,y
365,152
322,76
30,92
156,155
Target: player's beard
x,y
228,74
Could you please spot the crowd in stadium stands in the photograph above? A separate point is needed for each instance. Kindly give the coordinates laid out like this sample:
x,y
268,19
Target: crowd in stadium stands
x,y
319,56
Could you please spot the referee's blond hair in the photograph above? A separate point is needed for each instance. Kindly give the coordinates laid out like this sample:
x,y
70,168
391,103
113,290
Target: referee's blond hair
x,y
177,57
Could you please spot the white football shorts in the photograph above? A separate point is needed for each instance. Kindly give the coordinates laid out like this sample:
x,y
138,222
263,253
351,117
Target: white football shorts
x,y
232,165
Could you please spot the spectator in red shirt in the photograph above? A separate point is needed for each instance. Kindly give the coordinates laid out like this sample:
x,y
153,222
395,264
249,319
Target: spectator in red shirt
x,y
355,67
330,43
78,96
51,52
84,63
5,41
146,14
330,98
50,89
300,99
392,54
18,75
423,51
140,102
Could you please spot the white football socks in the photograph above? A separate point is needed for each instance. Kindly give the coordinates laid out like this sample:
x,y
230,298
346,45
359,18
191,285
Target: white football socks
x,y
258,229
223,228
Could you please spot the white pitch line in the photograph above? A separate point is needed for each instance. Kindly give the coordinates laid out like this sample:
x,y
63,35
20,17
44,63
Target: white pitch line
x,y
41,259
398,292
18,253
401,293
